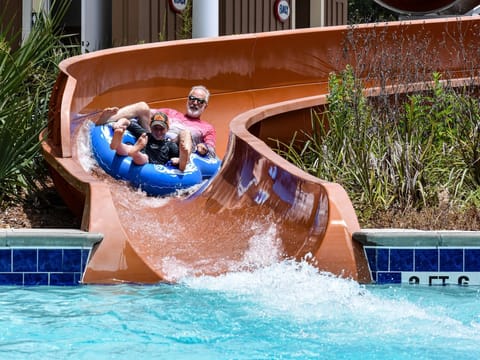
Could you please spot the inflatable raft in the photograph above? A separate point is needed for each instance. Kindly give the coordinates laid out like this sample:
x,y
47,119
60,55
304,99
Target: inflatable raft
x,y
154,179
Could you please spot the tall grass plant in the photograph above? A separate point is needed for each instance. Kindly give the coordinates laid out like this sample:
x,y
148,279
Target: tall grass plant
x,y
426,155
27,76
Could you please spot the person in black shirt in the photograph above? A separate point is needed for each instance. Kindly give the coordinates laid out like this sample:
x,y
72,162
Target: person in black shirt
x,y
150,147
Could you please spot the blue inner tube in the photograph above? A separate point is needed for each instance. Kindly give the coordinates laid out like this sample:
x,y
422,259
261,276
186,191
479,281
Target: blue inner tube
x,y
151,178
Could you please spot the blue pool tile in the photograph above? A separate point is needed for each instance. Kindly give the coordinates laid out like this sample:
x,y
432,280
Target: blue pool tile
x,y
85,253
62,279
389,278
50,260
77,278
382,259
24,260
451,259
72,260
426,259
5,260
472,259
11,279
401,259
35,279
42,266
371,255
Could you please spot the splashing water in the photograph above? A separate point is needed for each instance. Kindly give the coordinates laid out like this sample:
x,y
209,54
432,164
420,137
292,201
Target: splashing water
x,y
157,228
84,147
260,309
262,250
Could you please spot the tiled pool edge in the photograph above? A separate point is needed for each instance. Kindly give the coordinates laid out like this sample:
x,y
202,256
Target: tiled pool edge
x,y
57,257
398,256
53,257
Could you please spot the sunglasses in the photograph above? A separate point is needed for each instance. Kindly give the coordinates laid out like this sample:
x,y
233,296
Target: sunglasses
x,y
194,98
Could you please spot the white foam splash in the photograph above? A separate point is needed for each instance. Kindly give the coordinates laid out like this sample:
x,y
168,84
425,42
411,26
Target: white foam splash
x,y
264,249
176,269
300,291
84,147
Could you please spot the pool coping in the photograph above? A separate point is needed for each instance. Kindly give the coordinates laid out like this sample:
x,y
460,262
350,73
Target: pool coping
x,y
37,237
417,238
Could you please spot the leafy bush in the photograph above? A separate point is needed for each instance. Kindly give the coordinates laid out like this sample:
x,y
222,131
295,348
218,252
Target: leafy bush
x,y
423,153
27,76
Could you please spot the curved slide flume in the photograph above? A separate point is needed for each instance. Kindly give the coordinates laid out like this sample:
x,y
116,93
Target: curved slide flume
x,y
259,207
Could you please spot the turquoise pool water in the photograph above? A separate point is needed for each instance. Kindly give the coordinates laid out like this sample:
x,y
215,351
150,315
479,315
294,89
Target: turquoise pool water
x,y
285,311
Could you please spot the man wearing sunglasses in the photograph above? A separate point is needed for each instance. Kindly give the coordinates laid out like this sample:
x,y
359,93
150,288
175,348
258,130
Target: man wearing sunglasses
x,y
192,133
187,129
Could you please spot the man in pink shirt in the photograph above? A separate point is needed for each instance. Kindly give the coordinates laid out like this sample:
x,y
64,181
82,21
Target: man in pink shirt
x,y
192,133
202,133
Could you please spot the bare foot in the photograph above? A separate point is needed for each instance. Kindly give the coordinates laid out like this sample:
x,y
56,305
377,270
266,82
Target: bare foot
x,y
106,114
121,123
117,138
185,148
139,145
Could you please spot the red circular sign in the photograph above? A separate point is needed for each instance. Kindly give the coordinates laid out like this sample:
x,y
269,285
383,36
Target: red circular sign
x,y
178,5
282,10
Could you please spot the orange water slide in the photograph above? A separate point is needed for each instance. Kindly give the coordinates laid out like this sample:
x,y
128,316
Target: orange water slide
x,y
263,88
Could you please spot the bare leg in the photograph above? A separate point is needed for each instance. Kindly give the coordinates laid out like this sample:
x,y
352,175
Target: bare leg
x,y
117,144
118,130
139,110
138,157
121,123
117,138
106,115
185,149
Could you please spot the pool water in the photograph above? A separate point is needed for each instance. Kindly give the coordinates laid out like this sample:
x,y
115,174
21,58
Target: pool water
x,y
284,311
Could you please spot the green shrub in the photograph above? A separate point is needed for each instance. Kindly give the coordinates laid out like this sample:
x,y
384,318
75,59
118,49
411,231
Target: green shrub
x,y
27,76
422,153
